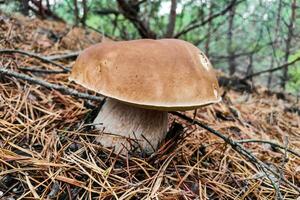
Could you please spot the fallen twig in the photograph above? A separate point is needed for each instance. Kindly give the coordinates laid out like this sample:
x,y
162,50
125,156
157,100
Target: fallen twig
x,y
284,159
271,143
240,149
64,56
234,144
42,58
60,88
43,71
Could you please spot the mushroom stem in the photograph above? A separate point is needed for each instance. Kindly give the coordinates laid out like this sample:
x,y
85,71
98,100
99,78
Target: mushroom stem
x,y
126,126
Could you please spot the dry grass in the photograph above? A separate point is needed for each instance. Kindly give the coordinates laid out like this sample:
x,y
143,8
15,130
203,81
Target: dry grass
x,y
47,148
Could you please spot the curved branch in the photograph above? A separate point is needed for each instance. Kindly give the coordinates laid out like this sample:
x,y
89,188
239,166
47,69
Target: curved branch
x,y
130,11
195,25
61,88
285,65
46,60
241,150
270,143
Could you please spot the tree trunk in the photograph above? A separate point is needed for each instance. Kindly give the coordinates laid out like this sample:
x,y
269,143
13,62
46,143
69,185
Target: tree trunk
x,y
48,5
230,49
76,12
207,43
41,9
291,27
131,12
250,67
25,7
275,42
172,20
85,11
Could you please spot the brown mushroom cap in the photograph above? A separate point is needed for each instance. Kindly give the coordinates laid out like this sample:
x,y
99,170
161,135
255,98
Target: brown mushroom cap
x,y
166,74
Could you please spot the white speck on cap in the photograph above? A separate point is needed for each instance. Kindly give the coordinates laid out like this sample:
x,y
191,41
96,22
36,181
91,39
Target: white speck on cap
x,y
216,93
204,61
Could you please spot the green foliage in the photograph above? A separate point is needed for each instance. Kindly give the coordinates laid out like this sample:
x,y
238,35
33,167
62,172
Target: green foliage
x,y
293,85
64,9
10,6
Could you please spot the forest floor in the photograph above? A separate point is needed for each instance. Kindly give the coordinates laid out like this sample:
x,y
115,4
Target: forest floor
x,y
48,150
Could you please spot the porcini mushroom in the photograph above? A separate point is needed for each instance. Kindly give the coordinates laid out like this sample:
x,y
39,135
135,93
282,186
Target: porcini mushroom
x,y
143,79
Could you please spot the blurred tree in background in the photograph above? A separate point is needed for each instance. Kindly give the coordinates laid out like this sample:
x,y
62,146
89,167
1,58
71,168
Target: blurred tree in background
x,y
241,37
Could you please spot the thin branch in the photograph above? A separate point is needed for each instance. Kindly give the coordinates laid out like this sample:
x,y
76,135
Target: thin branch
x,y
130,11
195,25
44,59
274,69
148,142
106,11
284,159
244,52
70,55
269,142
235,145
48,85
240,149
208,34
43,71
42,11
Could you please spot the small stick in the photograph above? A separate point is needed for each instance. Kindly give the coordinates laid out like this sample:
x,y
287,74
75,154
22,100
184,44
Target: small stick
x,y
64,56
195,114
148,142
284,159
44,71
240,149
271,143
48,85
44,59
235,145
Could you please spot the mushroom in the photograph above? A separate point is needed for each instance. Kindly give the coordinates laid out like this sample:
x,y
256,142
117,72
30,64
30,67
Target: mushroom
x,y
143,80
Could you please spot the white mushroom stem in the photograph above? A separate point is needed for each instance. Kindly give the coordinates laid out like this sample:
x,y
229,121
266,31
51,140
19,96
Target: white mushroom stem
x,y
125,125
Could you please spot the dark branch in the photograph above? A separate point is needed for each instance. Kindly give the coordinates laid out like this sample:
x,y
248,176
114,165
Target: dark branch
x,y
41,71
256,49
46,60
107,11
235,145
195,24
71,55
241,150
61,88
269,142
274,69
42,11
130,11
